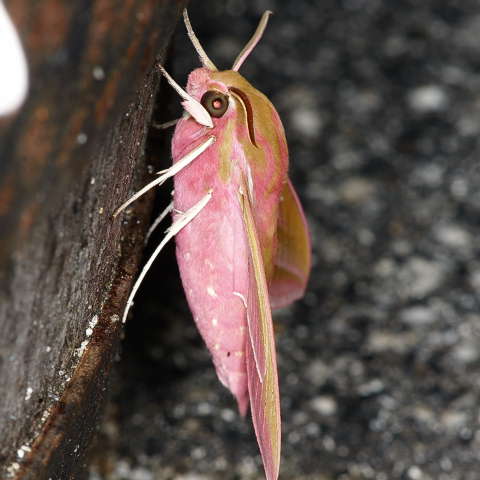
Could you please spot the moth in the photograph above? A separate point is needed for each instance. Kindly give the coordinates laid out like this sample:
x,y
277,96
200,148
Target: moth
x,y
242,242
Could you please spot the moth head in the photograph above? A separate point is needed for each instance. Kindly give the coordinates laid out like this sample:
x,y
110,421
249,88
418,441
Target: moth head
x,y
222,94
203,99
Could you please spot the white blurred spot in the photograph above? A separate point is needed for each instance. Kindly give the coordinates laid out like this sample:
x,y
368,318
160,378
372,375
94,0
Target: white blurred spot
x,y
28,394
428,98
13,65
307,122
415,473
453,236
420,277
227,415
324,405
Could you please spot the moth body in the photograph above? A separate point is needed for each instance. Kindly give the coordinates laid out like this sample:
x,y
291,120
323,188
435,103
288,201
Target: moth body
x,y
212,251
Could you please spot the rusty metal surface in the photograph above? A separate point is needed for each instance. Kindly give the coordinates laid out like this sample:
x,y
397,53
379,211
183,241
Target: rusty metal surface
x,y
67,159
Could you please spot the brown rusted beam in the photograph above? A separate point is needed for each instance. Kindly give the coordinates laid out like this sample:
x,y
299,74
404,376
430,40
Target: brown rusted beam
x,y
71,155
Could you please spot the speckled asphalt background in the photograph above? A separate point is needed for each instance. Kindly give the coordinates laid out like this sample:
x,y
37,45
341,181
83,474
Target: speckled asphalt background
x,y
380,363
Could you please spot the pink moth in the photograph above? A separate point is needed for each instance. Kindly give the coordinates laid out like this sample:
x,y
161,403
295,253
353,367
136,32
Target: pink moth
x,y
242,241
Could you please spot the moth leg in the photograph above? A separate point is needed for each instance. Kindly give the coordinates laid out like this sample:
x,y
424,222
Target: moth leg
x,y
181,222
169,172
158,220
165,125
171,123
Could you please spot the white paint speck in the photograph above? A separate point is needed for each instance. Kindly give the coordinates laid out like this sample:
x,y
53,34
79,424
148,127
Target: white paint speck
x,y
23,450
187,256
214,322
15,466
45,415
28,394
91,325
82,138
98,73
211,291
216,346
48,349
92,181
81,348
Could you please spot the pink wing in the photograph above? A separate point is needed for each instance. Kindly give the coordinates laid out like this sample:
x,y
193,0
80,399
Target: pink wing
x,y
260,353
293,259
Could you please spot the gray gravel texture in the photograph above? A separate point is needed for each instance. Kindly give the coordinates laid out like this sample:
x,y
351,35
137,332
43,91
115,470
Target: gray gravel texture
x,y
380,363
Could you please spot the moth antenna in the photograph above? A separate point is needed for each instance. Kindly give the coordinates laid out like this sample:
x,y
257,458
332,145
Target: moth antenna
x,y
158,220
242,56
176,226
169,172
206,62
192,106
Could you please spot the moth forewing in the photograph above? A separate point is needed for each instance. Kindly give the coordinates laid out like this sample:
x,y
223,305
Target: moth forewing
x,y
262,371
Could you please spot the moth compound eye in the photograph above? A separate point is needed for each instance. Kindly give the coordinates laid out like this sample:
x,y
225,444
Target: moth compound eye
x,y
216,103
